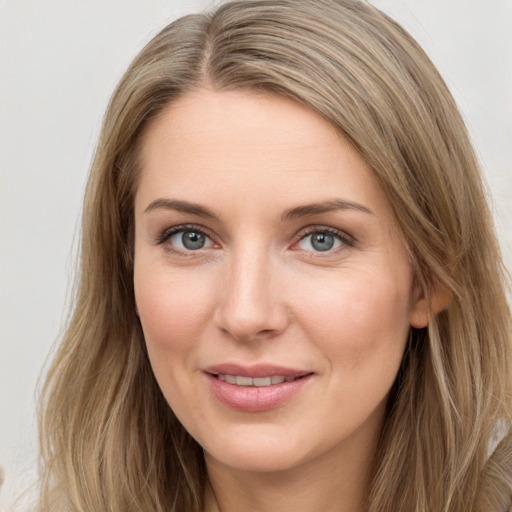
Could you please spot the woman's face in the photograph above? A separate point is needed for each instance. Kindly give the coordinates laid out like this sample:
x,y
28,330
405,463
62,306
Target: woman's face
x,y
272,284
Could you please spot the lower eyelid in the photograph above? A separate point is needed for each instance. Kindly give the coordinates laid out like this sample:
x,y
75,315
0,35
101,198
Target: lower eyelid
x,y
339,243
165,235
340,235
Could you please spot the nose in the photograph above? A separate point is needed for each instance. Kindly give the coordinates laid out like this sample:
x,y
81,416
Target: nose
x,y
251,304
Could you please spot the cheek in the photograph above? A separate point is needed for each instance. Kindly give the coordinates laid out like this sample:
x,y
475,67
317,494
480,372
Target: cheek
x,y
172,307
358,321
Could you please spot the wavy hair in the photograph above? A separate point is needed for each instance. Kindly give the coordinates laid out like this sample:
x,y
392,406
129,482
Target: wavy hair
x,y
110,442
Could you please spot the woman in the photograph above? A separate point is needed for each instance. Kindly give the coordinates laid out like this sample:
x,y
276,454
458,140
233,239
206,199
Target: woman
x,y
291,294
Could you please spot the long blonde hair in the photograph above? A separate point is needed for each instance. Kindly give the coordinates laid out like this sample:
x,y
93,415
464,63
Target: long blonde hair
x,y
109,440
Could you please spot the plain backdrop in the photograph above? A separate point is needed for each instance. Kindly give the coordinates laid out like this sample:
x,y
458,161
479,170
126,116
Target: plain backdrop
x,y
59,62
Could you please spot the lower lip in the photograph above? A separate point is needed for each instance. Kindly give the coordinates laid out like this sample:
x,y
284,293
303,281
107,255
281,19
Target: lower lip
x,y
255,399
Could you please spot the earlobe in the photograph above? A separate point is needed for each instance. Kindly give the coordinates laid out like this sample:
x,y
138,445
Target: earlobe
x,y
427,306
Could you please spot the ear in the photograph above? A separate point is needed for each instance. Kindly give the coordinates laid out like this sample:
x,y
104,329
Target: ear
x,y
427,305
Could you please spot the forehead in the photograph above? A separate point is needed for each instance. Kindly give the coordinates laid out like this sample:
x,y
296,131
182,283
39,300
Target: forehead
x,y
206,118
213,144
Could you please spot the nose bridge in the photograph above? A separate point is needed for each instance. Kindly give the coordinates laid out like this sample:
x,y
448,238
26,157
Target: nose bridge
x,y
251,305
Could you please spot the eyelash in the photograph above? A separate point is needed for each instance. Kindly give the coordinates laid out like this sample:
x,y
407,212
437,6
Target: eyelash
x,y
183,228
345,239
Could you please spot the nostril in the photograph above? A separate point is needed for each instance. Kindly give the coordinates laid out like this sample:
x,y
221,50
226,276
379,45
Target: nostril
x,y
245,313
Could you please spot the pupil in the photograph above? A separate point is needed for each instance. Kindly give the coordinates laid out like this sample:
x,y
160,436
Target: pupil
x,y
192,240
322,241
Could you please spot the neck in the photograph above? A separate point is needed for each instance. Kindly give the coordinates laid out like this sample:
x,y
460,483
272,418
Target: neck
x,y
338,481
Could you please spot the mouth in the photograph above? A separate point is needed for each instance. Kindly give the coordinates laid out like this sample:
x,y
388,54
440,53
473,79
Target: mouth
x,y
256,388
259,382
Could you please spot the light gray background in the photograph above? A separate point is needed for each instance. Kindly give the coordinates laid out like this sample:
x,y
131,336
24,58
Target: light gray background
x,y
59,62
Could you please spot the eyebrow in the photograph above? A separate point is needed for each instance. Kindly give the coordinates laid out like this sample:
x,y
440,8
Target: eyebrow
x,y
323,207
291,214
181,206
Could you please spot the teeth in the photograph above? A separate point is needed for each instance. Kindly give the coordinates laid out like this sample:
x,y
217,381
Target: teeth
x,y
243,381
240,380
261,381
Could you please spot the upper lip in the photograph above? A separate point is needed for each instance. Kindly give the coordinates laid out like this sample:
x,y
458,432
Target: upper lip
x,y
258,370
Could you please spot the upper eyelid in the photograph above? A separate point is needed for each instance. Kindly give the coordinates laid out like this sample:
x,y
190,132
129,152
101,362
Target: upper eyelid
x,y
318,229
172,230
308,230
303,232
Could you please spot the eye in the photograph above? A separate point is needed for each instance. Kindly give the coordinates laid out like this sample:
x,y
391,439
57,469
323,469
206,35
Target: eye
x,y
186,239
322,240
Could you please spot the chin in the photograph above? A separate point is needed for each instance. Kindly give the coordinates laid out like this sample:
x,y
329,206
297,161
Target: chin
x,y
259,451
256,460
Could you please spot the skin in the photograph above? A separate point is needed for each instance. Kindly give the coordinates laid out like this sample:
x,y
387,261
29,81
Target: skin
x,y
258,291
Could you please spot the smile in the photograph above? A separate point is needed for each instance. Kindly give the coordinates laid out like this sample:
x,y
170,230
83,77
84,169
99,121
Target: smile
x,y
242,380
257,388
